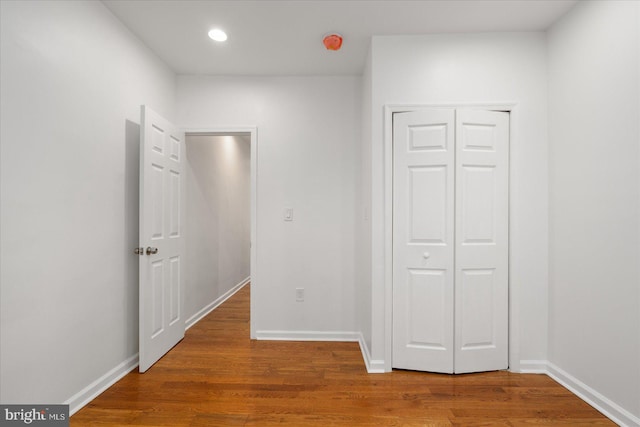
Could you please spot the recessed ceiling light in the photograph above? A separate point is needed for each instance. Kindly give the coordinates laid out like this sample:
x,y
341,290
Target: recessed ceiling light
x,y
218,35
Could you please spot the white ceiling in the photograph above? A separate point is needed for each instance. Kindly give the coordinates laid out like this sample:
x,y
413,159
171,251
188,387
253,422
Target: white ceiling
x,y
285,37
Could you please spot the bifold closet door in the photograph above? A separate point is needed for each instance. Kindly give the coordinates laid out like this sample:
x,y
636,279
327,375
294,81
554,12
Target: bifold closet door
x,y
482,241
450,240
423,240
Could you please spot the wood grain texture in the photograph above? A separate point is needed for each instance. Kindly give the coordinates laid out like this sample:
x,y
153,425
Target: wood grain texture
x,y
217,376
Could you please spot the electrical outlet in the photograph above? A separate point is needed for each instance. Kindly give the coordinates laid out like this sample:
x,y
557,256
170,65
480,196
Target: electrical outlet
x,y
299,294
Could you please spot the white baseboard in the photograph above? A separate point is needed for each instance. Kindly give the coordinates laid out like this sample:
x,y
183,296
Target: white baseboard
x,y
610,409
533,367
215,304
373,366
307,336
90,392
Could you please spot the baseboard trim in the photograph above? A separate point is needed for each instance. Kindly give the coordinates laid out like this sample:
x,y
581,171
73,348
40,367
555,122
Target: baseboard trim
x,y
373,366
307,336
610,409
93,390
533,367
215,304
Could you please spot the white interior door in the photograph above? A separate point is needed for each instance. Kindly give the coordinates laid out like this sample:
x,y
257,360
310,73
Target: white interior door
x,y
162,155
423,240
450,240
482,240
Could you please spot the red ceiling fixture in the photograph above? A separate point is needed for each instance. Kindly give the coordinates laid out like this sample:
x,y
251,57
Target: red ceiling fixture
x,y
332,41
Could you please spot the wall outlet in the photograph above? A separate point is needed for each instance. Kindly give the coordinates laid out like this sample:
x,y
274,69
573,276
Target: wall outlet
x,y
299,294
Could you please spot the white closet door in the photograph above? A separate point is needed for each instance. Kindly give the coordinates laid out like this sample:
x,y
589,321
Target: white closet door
x,y
162,323
423,240
482,241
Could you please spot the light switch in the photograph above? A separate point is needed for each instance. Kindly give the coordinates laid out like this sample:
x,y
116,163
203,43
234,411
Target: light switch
x,y
288,214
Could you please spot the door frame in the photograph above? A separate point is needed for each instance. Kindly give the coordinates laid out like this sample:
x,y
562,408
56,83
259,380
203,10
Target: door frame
x,y
514,307
253,262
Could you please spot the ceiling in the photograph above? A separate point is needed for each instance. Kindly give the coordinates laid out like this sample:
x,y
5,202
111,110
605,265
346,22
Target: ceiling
x,y
285,37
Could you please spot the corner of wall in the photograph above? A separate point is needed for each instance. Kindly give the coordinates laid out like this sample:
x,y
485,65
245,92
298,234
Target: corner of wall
x,y
373,366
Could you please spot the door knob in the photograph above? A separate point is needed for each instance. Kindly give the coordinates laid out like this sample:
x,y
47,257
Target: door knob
x,y
426,255
151,251
138,251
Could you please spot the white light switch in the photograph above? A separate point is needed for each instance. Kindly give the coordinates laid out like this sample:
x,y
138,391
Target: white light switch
x,y
288,214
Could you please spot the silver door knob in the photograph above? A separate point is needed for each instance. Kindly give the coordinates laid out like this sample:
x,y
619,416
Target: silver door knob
x,y
426,255
138,251
151,251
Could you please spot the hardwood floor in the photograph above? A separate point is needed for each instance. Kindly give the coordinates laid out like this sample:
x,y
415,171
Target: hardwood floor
x,y
217,376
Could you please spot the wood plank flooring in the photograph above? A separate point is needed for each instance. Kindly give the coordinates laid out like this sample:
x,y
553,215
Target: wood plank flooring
x,y
217,376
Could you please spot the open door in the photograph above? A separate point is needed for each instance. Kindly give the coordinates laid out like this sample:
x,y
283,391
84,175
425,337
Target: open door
x,y
162,156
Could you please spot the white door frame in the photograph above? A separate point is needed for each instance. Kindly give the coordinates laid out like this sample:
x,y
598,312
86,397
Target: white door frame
x,y
253,132
514,311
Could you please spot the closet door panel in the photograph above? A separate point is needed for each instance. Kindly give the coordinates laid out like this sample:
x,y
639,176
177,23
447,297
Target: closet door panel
x,y
423,243
482,241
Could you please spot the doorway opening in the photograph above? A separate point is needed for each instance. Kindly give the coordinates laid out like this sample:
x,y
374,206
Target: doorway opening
x,y
219,217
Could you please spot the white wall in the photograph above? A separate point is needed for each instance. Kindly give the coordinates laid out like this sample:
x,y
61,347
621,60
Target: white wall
x,y
363,213
473,68
217,225
308,128
594,296
72,80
